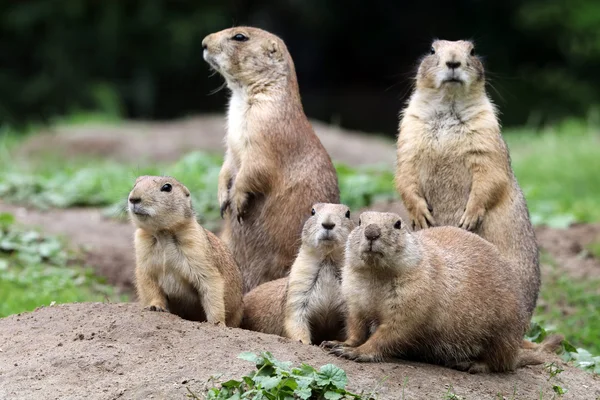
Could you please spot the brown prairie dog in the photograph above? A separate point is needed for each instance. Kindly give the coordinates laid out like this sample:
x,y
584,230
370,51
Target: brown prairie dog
x,y
307,306
180,266
454,167
442,295
275,167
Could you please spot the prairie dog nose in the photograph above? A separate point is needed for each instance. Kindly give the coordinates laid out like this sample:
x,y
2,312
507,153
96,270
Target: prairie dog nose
x,y
135,200
328,225
453,64
372,232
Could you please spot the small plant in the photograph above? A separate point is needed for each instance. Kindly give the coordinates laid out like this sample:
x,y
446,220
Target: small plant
x,y
276,380
581,358
450,395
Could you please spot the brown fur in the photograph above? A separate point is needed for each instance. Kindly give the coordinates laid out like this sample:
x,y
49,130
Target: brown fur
x,y
180,266
307,306
275,167
441,295
454,166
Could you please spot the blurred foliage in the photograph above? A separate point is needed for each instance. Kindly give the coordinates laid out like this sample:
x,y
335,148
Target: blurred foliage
x,y
143,59
37,270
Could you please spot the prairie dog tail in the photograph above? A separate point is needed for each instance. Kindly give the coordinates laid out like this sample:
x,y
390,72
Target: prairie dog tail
x,y
531,353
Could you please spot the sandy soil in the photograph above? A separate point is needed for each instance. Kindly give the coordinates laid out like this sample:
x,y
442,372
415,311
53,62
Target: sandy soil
x,y
117,351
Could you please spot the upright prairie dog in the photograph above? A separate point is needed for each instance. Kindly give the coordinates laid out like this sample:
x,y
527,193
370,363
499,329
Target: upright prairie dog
x,y
440,295
308,305
180,266
454,167
275,167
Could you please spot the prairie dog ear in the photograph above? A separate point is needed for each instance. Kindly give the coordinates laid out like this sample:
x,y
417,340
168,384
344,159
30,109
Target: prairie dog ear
x,y
273,48
139,178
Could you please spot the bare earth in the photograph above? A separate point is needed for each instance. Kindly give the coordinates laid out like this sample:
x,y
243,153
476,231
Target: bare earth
x,y
101,351
117,351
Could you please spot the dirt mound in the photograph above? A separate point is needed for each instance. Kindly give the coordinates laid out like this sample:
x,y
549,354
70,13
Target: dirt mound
x,y
111,351
168,141
568,248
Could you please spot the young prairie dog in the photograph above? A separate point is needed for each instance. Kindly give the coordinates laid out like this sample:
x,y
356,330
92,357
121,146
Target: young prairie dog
x,y
307,306
275,167
454,167
180,266
441,295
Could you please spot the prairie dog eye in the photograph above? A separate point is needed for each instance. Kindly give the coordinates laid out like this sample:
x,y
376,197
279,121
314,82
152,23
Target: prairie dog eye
x,y
472,51
166,187
432,50
239,37
398,224
348,214
313,212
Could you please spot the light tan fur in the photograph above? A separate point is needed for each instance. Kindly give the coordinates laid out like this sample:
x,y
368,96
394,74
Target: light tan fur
x,y
440,295
180,266
454,167
275,167
307,306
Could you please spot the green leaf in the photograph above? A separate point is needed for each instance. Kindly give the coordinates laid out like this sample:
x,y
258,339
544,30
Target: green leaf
x,y
248,356
331,395
303,393
558,390
268,382
231,384
6,219
330,374
569,347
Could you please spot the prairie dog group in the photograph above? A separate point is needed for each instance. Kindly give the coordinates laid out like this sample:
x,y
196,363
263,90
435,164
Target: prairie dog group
x,y
458,291
442,295
180,266
307,306
275,167
454,167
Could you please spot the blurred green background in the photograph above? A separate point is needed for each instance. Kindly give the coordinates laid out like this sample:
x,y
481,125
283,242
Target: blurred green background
x,y
354,59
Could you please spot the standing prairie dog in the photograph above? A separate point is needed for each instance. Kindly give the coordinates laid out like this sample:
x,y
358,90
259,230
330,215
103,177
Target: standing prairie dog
x,y
275,167
308,305
454,167
180,266
441,295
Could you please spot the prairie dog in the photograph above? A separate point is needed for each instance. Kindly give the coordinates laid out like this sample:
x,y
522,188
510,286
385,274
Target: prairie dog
x,y
180,266
454,167
275,167
441,295
307,306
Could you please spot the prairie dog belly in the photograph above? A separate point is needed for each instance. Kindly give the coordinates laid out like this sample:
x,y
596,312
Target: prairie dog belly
x,y
446,187
182,298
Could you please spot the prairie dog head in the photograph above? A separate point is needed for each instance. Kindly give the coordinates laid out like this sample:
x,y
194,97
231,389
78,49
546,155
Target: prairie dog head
x,y
328,227
451,66
381,239
159,203
247,56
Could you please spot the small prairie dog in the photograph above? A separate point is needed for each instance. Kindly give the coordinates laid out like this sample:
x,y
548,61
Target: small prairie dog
x,y
308,305
180,266
275,167
454,167
440,295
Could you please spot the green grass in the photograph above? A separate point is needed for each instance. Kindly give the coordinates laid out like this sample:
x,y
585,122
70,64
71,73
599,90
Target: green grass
x,y
571,307
558,170
37,270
